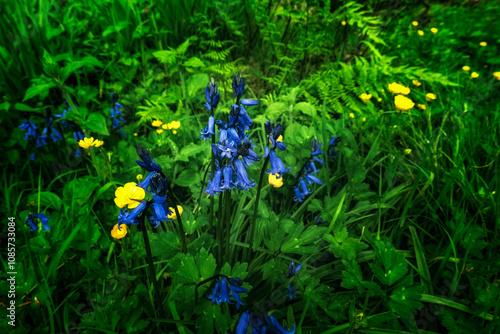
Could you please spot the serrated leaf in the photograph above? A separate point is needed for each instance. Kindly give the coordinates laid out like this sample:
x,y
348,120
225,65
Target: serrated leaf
x,y
299,241
165,56
390,265
352,275
115,28
196,82
181,50
404,301
193,269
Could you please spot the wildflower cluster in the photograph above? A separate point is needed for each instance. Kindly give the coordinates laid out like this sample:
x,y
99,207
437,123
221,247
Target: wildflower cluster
x,y
132,195
43,219
32,131
227,289
174,125
233,152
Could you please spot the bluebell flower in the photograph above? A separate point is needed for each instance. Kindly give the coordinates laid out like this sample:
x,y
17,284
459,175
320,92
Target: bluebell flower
x,y
78,135
40,141
238,86
225,291
116,114
32,156
227,150
147,162
144,184
77,153
209,130
302,192
269,326
277,166
293,269
159,186
291,292
126,217
227,177
211,95
316,150
243,323
332,144
43,219
213,187
242,177
49,130
29,128
247,154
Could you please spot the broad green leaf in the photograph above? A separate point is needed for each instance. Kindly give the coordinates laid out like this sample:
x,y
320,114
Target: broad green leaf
x,y
299,241
352,275
165,56
195,83
305,108
404,300
194,62
38,89
181,50
47,200
189,151
187,177
97,123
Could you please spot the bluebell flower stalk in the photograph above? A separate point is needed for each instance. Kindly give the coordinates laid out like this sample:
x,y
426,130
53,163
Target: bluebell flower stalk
x,y
116,114
306,174
227,289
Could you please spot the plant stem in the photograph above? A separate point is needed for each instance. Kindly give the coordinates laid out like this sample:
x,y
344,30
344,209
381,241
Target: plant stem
x,y
256,207
228,221
152,272
179,220
220,231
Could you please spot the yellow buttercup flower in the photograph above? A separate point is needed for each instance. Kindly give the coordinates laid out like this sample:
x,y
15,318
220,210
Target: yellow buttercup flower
x,y
420,32
119,233
174,125
483,43
275,180
434,30
407,151
414,23
159,131
496,75
474,75
139,177
430,96
98,143
173,215
174,132
422,106
403,103
128,194
365,97
466,68
379,99
344,23
164,126
157,123
86,142
351,115
416,83
396,88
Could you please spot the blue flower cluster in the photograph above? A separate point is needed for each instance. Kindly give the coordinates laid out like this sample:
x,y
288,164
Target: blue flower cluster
x,y
260,324
155,184
227,289
116,114
43,219
32,132
233,152
306,175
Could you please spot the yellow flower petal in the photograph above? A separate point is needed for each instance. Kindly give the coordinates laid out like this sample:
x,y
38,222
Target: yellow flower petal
x,y
119,233
403,103
420,32
365,97
396,88
407,151
422,106
343,23
483,43
466,68
275,180
416,83
351,115
165,126
430,96
173,215
474,75
434,30
157,123
159,131
414,23
496,75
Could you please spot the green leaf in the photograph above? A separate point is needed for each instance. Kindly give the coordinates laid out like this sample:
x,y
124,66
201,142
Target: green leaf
x,y
87,61
181,50
97,123
115,28
37,90
187,178
305,108
390,265
263,210
190,269
165,56
194,62
47,200
302,242
189,151
352,275
404,301
239,270
24,107
195,83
